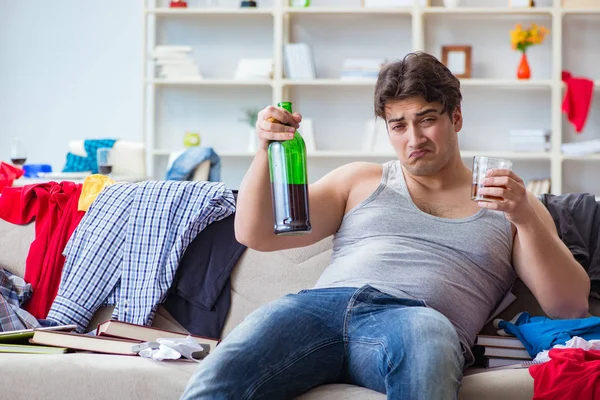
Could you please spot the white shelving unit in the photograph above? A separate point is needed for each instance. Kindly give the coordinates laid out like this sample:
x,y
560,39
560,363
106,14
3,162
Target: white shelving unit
x,y
280,24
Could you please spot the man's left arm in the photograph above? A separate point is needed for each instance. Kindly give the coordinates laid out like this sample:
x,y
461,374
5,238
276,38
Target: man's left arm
x,y
541,259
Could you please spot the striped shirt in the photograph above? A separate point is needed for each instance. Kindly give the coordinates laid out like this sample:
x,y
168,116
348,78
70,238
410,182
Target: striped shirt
x,y
127,248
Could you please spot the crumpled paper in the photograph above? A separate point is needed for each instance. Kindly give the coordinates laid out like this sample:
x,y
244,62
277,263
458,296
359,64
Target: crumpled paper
x,y
172,349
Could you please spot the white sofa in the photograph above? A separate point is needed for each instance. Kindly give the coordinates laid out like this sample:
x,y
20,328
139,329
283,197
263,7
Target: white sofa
x,y
257,279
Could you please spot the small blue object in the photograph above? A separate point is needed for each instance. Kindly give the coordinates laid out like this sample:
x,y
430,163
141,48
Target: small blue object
x,y
33,170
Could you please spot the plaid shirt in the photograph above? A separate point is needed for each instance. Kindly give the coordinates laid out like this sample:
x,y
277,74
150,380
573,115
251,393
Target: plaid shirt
x,y
13,293
127,248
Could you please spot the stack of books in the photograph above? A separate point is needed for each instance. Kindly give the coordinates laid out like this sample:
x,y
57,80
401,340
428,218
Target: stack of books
x,y
583,148
539,186
533,140
361,69
502,351
299,62
111,337
391,3
175,62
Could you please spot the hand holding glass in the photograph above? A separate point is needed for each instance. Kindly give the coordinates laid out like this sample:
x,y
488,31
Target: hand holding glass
x,y
481,165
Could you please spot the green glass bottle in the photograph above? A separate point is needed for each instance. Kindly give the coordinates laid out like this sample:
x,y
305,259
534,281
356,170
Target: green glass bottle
x,y
289,184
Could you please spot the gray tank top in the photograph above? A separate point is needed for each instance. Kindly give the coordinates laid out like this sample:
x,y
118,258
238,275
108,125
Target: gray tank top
x,y
460,267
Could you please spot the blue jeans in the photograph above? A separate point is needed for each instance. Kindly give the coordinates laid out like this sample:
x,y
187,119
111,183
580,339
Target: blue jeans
x,y
335,335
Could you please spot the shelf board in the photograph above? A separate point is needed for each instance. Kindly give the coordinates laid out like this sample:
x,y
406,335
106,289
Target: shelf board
x,y
502,83
581,10
209,11
515,155
316,154
489,10
594,157
508,83
209,82
389,155
328,82
348,10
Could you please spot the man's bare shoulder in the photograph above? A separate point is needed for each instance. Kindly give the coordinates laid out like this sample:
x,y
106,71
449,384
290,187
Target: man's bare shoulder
x,y
361,170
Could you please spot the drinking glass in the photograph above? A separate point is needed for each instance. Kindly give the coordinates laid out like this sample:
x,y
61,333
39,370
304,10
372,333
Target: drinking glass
x,y
480,167
105,161
18,152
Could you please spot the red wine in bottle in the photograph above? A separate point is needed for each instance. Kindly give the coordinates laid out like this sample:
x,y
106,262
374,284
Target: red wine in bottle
x,y
289,184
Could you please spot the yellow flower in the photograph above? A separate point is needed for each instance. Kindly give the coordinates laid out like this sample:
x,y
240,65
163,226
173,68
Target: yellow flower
x,y
521,39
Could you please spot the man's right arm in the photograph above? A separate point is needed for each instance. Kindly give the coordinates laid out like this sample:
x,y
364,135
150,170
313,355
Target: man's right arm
x,y
254,213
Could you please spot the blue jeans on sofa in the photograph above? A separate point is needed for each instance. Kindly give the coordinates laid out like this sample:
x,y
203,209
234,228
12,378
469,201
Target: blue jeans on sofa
x,y
359,336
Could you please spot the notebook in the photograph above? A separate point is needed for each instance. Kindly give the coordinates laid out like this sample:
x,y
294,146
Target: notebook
x,y
126,330
28,349
499,341
78,341
506,352
25,334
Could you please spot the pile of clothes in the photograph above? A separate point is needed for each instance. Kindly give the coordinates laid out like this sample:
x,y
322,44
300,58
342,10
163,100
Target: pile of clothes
x,y
131,245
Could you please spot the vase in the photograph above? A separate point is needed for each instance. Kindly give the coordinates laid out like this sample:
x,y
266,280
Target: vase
x,y
524,72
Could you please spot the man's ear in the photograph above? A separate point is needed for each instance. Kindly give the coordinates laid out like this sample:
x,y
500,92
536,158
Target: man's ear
x,y
457,119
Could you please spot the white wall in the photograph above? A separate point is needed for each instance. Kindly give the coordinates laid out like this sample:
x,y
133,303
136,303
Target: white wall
x,y
69,69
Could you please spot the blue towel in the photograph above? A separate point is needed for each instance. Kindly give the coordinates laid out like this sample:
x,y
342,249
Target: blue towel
x,y
77,163
183,167
542,333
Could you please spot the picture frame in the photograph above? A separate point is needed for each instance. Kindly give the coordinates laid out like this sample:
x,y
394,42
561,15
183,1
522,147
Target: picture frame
x,y
458,60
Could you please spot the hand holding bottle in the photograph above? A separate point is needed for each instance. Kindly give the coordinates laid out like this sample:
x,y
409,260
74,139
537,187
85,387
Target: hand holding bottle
x,y
276,123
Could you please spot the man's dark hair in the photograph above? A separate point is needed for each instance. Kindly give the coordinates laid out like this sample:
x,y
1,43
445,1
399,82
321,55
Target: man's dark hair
x,y
417,75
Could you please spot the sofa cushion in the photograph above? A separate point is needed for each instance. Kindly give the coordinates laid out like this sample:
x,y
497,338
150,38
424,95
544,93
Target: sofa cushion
x,y
513,384
260,277
15,241
96,376
91,376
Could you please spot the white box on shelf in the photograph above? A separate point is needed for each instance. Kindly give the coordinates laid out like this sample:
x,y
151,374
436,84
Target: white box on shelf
x,y
299,62
391,3
254,68
361,68
520,3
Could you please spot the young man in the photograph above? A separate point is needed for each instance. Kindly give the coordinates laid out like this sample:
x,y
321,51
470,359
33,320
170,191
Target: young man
x,y
416,269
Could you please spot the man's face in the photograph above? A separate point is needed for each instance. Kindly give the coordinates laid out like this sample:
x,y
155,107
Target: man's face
x,y
424,139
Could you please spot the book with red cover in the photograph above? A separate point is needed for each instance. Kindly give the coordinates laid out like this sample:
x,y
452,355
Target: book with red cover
x,y
126,330
77,341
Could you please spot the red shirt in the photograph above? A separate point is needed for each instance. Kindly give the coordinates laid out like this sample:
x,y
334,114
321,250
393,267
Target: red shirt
x,y
54,208
570,374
